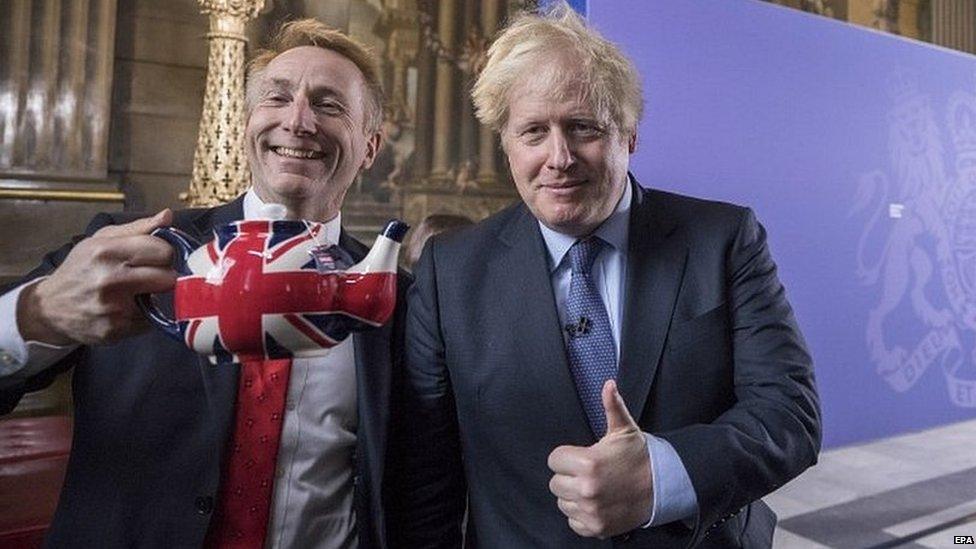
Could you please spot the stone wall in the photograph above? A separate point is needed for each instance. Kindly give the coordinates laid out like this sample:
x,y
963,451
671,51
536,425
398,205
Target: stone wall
x,y
160,73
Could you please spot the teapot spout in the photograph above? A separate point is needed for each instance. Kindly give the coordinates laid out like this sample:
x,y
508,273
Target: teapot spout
x,y
382,257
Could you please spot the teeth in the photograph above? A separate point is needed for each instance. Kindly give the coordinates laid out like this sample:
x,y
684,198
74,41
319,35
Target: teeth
x,y
296,153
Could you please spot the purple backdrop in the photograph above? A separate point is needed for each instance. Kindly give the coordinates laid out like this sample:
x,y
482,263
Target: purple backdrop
x,y
858,152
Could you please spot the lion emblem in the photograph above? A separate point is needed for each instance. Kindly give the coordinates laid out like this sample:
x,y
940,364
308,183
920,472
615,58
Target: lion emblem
x,y
928,229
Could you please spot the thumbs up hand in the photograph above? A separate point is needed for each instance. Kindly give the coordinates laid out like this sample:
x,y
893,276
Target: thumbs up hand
x,y
605,489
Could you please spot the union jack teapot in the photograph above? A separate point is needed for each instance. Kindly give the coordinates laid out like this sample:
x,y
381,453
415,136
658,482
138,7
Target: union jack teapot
x,y
268,289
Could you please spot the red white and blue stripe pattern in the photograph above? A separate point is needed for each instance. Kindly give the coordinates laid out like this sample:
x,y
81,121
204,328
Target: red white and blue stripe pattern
x,y
254,293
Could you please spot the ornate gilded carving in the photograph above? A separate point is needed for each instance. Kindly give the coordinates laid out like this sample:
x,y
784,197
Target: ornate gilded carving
x,y
886,15
239,9
220,170
820,7
469,58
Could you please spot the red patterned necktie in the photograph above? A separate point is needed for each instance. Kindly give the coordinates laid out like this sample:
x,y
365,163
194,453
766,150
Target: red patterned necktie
x,y
244,499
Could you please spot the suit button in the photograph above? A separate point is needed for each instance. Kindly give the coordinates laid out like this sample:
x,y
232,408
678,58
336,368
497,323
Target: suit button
x,y
6,358
204,505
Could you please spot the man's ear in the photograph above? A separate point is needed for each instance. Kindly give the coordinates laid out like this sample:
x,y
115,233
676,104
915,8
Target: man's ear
x,y
632,143
373,145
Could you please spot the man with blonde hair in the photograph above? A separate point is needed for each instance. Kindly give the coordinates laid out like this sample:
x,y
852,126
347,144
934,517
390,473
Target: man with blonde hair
x,y
601,361
151,458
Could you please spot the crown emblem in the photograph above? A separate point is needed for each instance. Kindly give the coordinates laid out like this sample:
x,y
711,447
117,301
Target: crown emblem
x,y
902,86
962,123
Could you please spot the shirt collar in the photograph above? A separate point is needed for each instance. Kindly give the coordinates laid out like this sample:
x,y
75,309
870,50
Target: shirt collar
x,y
252,210
613,231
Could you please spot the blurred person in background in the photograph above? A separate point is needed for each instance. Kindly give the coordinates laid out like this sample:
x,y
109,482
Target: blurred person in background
x,y
431,225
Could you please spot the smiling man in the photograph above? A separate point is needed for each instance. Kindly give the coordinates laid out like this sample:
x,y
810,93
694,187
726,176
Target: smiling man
x,y
313,126
602,364
152,419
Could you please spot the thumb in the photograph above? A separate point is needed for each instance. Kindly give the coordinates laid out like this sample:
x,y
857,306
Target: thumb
x,y
143,225
618,418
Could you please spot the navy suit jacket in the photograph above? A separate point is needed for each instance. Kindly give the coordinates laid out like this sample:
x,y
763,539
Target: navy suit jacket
x,y
711,360
151,419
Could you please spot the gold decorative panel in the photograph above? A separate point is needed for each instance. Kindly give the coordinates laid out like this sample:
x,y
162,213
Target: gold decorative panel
x,y
220,170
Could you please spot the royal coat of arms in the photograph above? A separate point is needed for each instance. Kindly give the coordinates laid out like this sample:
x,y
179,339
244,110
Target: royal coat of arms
x,y
918,247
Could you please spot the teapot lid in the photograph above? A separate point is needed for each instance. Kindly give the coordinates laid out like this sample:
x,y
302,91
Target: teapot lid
x,y
272,211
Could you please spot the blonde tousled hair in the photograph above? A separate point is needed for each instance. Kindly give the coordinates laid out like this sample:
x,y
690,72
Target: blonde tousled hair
x,y
535,49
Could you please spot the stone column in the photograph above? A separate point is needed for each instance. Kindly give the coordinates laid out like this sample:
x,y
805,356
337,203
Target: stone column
x,y
15,85
55,91
99,104
220,171
468,138
954,24
487,149
73,86
44,80
426,75
444,92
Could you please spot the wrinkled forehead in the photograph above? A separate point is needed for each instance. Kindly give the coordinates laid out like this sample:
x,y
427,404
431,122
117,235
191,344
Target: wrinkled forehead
x,y
539,101
312,67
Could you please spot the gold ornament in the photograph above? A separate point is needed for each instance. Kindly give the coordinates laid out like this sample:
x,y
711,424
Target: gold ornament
x,y
220,171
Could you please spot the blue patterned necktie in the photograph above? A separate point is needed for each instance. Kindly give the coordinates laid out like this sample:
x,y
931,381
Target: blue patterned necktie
x,y
591,349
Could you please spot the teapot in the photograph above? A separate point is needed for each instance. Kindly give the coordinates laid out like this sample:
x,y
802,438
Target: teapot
x,y
269,289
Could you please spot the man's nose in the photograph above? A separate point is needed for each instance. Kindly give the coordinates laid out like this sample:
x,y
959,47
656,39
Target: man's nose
x,y
300,120
561,156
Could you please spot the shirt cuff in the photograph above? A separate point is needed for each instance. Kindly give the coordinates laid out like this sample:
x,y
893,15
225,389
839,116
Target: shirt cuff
x,y
19,357
674,497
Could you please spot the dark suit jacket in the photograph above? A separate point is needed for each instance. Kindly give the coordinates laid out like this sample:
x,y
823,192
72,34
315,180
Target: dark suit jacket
x,y
152,417
711,360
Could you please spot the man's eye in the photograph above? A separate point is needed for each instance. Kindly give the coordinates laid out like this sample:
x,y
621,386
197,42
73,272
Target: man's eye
x,y
533,134
276,98
329,107
584,129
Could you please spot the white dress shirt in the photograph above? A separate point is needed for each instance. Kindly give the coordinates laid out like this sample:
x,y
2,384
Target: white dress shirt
x,y
19,357
673,495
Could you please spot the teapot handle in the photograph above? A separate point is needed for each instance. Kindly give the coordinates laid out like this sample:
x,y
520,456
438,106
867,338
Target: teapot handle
x,y
184,245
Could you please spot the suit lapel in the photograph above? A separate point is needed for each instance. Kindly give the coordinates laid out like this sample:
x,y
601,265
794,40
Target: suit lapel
x,y
200,223
535,321
219,382
373,383
655,266
373,386
372,365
